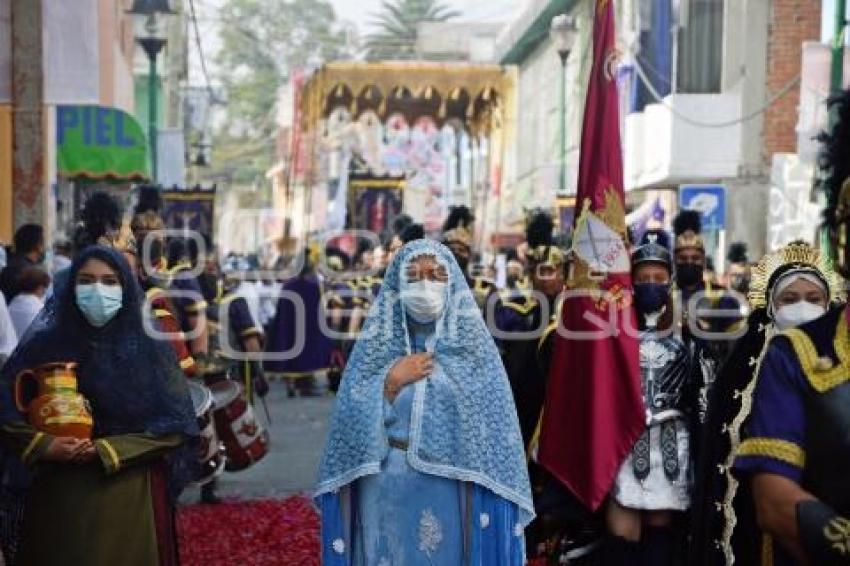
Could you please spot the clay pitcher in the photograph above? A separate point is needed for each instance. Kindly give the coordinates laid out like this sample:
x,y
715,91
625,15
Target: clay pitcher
x,y
58,408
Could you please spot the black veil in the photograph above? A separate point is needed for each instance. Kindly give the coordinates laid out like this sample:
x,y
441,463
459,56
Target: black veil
x,y
131,380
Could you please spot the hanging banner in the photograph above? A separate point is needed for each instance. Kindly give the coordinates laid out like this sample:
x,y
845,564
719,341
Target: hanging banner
x,y
374,204
97,142
190,210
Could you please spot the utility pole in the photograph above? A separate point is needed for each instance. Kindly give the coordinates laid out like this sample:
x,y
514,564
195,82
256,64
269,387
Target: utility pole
x,y
29,139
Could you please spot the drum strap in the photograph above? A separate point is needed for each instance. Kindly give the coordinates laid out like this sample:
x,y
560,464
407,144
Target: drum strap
x,y
249,390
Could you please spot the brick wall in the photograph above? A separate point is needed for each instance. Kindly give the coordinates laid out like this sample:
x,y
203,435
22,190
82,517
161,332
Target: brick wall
x,y
791,23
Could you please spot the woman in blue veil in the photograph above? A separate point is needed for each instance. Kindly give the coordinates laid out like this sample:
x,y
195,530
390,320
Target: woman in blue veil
x,y
109,500
424,462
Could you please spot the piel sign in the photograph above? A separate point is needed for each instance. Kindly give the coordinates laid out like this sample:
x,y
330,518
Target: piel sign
x,y
97,126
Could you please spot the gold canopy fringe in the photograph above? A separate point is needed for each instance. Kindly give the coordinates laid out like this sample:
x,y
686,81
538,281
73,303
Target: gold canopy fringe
x,y
482,83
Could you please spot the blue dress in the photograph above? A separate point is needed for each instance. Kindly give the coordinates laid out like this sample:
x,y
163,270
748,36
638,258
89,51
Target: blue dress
x,y
403,517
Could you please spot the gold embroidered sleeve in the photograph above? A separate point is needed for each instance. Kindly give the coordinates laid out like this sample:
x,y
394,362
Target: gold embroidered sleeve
x,y
774,448
122,451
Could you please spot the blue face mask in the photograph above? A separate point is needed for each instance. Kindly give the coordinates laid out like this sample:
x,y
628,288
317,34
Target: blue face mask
x,y
99,303
651,297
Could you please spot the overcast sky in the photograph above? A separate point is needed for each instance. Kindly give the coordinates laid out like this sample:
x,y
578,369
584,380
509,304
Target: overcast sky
x,y
361,11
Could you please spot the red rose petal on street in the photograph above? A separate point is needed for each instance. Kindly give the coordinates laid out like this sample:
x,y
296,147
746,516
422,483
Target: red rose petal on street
x,y
250,533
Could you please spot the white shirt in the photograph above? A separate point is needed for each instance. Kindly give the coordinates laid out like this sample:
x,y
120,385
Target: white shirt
x,y
8,336
22,310
60,262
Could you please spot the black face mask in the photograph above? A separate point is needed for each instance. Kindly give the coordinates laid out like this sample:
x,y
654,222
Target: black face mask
x,y
651,297
688,274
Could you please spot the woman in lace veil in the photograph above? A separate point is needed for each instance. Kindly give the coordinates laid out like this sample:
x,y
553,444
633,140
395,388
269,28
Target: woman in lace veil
x,y
424,462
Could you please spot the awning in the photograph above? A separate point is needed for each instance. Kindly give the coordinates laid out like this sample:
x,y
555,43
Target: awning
x,y
98,142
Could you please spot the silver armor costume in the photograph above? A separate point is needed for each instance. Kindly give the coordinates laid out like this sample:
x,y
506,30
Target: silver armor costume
x,y
656,475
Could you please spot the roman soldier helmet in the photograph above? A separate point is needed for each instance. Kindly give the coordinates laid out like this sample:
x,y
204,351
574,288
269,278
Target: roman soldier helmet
x,y
653,250
687,227
457,229
541,246
834,161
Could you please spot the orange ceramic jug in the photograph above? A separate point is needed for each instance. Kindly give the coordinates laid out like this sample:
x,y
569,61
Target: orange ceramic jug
x,y
58,408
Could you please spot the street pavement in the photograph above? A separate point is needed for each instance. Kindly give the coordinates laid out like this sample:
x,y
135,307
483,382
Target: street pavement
x,y
298,427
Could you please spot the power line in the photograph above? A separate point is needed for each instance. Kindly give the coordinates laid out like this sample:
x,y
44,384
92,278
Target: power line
x,y
725,124
201,55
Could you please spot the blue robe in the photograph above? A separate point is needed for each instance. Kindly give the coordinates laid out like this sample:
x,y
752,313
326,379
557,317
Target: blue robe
x,y
293,327
403,517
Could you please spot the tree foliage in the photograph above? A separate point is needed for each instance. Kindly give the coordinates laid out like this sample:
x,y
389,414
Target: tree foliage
x,y
397,24
261,43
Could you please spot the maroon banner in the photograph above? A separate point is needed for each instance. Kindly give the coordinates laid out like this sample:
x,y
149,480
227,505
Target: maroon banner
x,y
594,409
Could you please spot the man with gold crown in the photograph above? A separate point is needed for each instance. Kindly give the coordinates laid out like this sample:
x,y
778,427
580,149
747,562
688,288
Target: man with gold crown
x,y
795,451
788,287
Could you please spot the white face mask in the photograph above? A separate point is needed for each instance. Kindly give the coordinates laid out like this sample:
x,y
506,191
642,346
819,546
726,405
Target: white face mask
x,y
424,300
795,314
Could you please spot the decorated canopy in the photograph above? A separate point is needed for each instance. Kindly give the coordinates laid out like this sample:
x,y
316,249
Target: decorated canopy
x,y
97,142
464,91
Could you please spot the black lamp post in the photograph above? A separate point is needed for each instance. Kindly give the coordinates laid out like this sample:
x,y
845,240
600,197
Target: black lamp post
x,y
152,44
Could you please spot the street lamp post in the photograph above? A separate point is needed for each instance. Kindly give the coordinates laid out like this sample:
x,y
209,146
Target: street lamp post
x,y
152,45
563,33
836,75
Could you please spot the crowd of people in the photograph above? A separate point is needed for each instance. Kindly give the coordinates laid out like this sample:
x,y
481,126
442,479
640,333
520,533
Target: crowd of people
x,y
440,365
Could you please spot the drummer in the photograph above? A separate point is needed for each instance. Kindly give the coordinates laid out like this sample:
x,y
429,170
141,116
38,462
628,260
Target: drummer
x,y
243,334
189,298
235,332
155,283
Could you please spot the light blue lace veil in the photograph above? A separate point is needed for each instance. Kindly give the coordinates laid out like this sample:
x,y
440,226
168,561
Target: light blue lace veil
x,y
463,421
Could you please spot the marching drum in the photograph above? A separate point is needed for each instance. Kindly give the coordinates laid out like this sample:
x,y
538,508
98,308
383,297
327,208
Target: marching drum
x,y
210,452
245,440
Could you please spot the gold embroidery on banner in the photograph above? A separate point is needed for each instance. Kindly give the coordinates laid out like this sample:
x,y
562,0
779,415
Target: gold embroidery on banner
x,y
837,531
613,213
781,450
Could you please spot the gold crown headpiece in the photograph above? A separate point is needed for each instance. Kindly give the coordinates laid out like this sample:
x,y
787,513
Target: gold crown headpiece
x,y
547,255
460,235
123,240
148,221
795,255
689,239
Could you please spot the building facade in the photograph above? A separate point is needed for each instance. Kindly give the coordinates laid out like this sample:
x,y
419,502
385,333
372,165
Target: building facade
x,y
710,91
60,53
